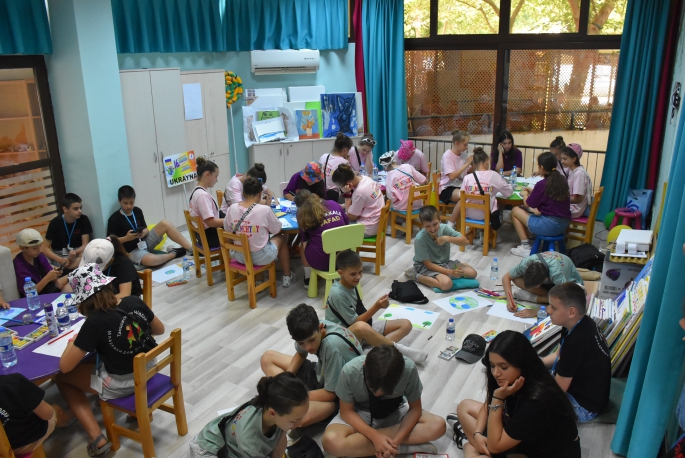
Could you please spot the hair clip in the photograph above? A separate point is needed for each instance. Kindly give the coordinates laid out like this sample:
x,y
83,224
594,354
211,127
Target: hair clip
x,y
260,180
368,140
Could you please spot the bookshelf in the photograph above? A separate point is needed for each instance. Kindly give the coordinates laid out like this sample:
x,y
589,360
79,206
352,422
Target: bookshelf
x,y
22,137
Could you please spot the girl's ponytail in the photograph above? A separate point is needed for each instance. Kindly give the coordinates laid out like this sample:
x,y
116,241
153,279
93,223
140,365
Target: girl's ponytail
x,y
281,393
556,186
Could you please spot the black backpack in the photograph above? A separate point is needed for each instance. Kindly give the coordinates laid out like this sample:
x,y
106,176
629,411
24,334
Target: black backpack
x,y
407,291
587,256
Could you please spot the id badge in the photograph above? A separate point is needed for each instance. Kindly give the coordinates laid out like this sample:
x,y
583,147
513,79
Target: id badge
x,y
69,249
65,252
142,246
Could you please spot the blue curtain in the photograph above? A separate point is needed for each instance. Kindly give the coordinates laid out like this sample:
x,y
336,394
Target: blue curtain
x,y
386,90
637,85
24,27
653,383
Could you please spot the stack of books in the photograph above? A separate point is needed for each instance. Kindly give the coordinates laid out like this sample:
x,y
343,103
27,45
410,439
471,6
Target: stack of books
x,y
544,335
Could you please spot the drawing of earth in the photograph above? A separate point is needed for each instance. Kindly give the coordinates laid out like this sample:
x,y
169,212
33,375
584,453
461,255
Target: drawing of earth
x,y
463,303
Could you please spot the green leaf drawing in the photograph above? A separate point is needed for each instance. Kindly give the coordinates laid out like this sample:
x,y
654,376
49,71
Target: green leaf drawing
x,y
425,324
387,315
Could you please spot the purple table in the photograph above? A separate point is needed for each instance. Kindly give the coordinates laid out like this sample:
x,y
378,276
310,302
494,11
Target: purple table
x,y
34,366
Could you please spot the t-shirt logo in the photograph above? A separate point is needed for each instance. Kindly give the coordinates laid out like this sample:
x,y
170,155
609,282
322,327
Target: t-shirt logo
x,y
131,337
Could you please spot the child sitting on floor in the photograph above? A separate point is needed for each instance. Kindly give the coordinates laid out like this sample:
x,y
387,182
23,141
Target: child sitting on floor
x,y
455,163
67,234
128,224
432,264
366,203
374,417
579,182
536,275
32,263
333,346
399,180
345,307
581,365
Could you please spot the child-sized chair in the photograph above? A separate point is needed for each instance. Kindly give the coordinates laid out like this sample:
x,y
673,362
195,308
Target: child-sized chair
x,y
489,235
152,389
196,229
376,243
219,197
7,452
416,193
335,240
627,215
544,243
146,277
237,273
444,210
583,228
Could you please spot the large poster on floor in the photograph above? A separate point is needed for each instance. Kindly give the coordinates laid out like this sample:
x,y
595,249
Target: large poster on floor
x,y
180,168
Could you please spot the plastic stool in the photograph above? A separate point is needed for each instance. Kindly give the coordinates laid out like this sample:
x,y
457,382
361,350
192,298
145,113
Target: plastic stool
x,y
627,215
544,243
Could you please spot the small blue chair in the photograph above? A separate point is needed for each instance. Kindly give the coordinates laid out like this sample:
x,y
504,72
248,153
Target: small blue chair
x,y
546,243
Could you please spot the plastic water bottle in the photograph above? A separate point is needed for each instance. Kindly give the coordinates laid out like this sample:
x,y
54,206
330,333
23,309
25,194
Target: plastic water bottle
x,y
7,353
31,294
513,175
501,174
62,318
494,270
72,307
50,320
542,313
274,202
375,172
450,330
362,169
186,269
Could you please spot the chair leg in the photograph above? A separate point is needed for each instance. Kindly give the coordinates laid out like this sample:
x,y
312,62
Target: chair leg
x,y
329,283
230,286
313,289
180,412
493,239
146,436
251,294
410,228
536,246
109,421
486,241
208,271
393,225
272,279
198,268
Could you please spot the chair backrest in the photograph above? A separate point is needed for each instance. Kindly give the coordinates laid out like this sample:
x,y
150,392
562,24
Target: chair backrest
x,y
228,242
141,374
196,230
281,187
383,222
220,197
436,184
416,193
5,447
595,204
430,170
483,204
146,277
341,238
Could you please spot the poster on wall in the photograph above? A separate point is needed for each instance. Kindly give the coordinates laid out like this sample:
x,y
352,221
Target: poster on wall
x,y
339,113
307,124
180,168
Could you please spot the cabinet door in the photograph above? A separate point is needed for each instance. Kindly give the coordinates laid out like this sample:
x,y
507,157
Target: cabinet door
x,y
321,147
272,156
196,129
167,100
214,101
139,118
297,154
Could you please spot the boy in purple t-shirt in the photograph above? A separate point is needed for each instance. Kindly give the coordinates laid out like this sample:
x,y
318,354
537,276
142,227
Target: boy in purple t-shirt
x,y
32,263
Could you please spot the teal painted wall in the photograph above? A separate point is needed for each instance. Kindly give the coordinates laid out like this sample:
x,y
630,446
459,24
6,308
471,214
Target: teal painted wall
x,y
336,72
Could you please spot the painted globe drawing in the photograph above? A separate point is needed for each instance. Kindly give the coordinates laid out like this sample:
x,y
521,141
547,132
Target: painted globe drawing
x,y
463,303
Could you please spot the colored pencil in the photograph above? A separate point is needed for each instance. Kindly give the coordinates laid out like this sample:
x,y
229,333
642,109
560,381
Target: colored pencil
x,y
55,340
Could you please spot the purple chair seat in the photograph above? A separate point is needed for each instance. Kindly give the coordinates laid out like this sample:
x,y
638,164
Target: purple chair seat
x,y
157,387
235,264
211,249
582,219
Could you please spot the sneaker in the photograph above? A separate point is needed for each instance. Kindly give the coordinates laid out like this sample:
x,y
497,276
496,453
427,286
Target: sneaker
x,y
189,253
180,252
478,241
522,251
524,295
451,419
306,283
410,273
450,224
410,449
289,280
418,356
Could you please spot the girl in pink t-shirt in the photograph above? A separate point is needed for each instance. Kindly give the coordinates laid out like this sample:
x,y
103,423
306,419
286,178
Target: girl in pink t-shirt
x,y
234,188
258,221
331,161
579,182
398,181
408,154
367,199
203,204
362,154
456,163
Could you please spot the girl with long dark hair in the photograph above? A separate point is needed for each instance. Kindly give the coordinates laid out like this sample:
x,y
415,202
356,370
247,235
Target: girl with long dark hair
x,y
202,203
505,155
330,162
579,182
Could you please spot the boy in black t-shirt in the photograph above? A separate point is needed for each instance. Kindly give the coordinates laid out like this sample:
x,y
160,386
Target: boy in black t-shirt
x,y
128,224
582,364
67,234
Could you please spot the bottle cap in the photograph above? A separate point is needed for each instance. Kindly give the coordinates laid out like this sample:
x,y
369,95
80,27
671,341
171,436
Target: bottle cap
x,y
543,308
27,279
60,304
495,259
184,258
451,320
68,296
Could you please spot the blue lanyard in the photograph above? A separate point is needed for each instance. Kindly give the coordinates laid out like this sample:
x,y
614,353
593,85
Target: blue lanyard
x,y
134,225
69,234
556,360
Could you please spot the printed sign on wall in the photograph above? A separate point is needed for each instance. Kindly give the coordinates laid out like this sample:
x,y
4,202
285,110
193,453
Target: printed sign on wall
x,y
180,168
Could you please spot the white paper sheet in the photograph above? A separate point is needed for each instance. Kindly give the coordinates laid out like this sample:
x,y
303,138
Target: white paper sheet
x,y
462,302
166,273
285,224
57,348
532,181
420,319
192,101
285,203
305,93
499,309
269,130
225,411
292,106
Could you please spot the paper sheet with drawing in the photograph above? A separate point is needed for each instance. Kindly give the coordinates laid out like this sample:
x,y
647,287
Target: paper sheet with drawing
x,y
57,348
499,309
462,302
420,319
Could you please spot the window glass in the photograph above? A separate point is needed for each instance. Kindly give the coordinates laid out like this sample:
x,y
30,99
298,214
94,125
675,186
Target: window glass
x,y
544,16
606,17
468,17
416,18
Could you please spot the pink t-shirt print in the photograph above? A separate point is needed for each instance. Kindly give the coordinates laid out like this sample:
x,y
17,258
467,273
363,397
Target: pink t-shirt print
x,y
397,184
258,224
333,163
579,183
418,161
367,202
451,163
202,204
492,183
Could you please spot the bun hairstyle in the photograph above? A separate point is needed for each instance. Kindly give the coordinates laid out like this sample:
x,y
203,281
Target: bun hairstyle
x,y
251,187
459,135
480,156
569,152
257,172
556,185
343,174
281,393
558,143
342,142
364,141
205,165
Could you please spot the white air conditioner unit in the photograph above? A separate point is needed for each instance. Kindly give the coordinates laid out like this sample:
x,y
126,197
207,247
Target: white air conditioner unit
x,y
280,61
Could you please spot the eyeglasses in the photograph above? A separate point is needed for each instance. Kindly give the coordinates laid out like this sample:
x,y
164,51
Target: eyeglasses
x,y
368,140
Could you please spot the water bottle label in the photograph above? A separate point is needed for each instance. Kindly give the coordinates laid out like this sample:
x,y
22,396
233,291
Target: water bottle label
x,y
4,348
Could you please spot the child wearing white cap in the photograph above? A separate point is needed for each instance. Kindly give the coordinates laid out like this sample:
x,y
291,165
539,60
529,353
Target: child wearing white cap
x,y
32,263
113,261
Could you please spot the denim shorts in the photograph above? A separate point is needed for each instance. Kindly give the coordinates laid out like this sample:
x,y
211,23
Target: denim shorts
x,y
547,225
581,412
263,257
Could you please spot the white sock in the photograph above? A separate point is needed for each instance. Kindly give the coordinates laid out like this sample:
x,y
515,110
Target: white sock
x,y
418,356
525,243
307,272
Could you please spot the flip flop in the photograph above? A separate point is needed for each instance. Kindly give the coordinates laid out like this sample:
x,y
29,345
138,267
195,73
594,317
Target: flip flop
x,y
93,449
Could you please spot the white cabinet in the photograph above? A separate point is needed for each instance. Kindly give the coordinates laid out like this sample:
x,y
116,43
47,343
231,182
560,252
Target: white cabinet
x,y
321,147
296,156
271,155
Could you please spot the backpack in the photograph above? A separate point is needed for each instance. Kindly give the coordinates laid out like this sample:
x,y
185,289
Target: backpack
x,y
587,256
407,291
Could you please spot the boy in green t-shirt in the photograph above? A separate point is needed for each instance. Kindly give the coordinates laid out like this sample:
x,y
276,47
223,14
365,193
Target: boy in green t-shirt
x,y
345,307
380,409
432,265
333,346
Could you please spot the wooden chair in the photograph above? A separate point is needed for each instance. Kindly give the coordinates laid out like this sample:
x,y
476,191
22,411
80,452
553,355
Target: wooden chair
x,y
412,219
152,390
583,228
146,277
335,240
430,171
444,210
376,244
489,235
237,273
196,229
7,452
219,197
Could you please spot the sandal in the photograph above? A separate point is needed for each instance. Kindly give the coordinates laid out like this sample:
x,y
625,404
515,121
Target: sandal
x,y
93,449
459,435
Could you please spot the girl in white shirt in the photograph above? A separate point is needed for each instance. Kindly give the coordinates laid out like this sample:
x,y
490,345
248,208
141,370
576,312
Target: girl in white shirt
x,y
579,182
455,164
330,162
203,204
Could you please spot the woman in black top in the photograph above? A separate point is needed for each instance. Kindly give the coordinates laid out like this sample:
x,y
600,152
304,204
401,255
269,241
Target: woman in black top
x,y
113,260
525,410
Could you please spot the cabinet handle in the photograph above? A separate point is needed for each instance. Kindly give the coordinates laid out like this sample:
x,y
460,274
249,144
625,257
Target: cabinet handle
x,y
280,151
287,151
155,156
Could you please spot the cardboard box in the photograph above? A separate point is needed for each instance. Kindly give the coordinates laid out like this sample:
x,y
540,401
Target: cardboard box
x,y
615,277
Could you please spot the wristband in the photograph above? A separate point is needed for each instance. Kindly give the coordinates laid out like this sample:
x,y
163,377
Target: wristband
x,y
495,397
